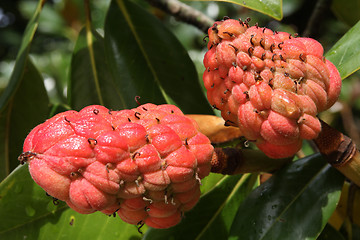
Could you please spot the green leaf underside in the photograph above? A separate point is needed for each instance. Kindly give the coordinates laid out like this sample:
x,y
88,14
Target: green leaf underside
x,y
345,54
145,59
294,204
28,213
24,102
272,8
212,216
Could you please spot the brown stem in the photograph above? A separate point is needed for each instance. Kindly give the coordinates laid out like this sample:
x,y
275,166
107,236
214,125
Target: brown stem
x,y
340,151
184,13
233,161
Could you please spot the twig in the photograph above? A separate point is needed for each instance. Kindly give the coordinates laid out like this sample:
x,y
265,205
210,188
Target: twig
x,y
233,161
184,13
313,24
340,151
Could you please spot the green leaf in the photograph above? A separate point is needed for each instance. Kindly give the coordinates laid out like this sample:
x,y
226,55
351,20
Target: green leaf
x,y
345,54
22,201
23,104
210,181
219,225
90,79
27,213
58,108
295,203
22,57
146,60
27,108
347,11
211,218
330,233
272,8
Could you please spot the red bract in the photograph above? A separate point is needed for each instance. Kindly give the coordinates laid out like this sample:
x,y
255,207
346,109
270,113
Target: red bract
x,y
269,84
145,163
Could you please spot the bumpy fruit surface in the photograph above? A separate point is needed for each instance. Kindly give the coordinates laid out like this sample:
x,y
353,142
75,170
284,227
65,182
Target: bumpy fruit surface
x,y
145,163
269,84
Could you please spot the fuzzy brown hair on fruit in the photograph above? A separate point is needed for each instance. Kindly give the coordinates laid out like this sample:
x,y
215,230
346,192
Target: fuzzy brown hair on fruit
x,y
269,84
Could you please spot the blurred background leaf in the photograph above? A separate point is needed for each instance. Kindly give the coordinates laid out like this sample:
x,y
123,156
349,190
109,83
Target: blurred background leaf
x,y
23,104
347,11
330,233
273,8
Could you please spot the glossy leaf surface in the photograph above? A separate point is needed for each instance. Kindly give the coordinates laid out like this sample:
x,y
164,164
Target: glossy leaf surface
x,y
28,107
146,60
345,54
294,204
90,81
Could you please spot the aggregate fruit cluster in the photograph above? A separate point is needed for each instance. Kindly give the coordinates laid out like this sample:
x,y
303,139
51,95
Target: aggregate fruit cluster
x,y
269,84
144,164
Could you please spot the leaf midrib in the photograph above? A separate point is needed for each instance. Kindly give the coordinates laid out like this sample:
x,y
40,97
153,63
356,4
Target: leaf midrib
x,y
129,21
224,203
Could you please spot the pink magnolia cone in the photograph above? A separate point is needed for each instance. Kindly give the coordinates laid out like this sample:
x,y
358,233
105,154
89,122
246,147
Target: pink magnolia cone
x,y
145,163
269,84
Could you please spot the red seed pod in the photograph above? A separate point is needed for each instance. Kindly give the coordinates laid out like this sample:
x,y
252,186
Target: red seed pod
x,y
275,88
144,163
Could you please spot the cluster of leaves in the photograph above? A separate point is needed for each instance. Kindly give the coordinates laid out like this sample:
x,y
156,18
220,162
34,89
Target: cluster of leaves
x,y
135,54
